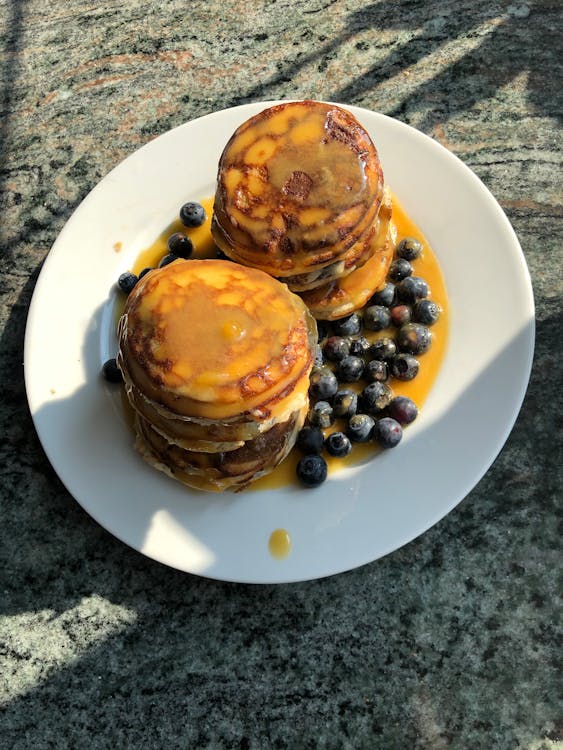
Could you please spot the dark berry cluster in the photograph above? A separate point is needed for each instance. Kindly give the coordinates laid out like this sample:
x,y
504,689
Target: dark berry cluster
x,y
401,312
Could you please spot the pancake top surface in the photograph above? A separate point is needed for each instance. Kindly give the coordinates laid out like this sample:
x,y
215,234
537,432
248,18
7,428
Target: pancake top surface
x,y
298,176
213,331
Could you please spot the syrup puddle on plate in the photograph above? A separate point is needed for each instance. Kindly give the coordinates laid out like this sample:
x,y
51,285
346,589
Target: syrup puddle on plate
x,y
279,544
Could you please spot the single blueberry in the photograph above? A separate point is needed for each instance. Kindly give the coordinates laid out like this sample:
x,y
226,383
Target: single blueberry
x,y
180,245
348,326
338,444
321,415
312,470
413,288
403,409
336,348
385,296
388,432
220,255
426,311
111,371
376,371
401,314
375,397
322,383
345,403
377,317
404,367
359,347
399,270
126,282
409,248
310,439
414,338
144,272
169,258
360,428
383,348
350,369
192,214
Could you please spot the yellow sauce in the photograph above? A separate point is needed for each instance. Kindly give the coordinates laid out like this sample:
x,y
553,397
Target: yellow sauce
x,y
279,544
417,389
200,236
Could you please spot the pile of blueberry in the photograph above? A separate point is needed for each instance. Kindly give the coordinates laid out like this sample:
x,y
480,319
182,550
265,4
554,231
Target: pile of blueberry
x,y
179,245
346,356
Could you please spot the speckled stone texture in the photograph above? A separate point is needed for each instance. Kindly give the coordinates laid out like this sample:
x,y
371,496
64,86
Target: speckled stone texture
x,y
450,642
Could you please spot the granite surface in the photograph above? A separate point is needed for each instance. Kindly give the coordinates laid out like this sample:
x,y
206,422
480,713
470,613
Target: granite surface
x,y
451,641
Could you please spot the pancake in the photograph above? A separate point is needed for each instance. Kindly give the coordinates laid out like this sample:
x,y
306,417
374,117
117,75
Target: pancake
x,y
209,435
298,185
212,339
216,360
220,470
351,292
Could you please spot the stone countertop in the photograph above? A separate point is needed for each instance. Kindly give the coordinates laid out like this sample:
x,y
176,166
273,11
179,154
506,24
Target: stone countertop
x,y
449,642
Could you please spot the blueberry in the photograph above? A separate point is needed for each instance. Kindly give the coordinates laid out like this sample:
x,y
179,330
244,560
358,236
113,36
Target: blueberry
x,y
338,444
220,255
383,348
180,245
399,270
409,248
310,440
414,338
388,432
312,470
145,271
321,414
376,371
126,282
403,409
348,326
359,347
336,348
360,428
345,403
167,259
192,214
404,367
427,312
375,397
401,314
111,371
350,369
413,288
323,383
377,317
385,296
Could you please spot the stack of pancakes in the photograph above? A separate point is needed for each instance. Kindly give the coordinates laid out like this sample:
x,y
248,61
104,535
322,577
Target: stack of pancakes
x,y
216,360
300,195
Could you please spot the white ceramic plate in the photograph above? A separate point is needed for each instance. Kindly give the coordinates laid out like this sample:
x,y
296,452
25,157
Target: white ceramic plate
x,y
355,517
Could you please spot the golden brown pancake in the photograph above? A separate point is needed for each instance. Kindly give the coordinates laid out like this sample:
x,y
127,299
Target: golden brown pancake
x,y
220,470
214,356
351,292
298,185
212,339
